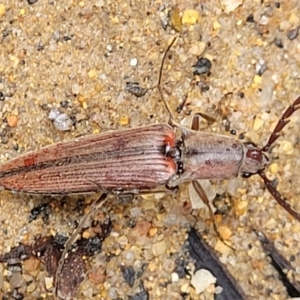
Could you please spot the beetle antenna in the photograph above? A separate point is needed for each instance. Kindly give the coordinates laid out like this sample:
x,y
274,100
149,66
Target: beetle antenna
x,y
273,137
278,197
281,124
159,87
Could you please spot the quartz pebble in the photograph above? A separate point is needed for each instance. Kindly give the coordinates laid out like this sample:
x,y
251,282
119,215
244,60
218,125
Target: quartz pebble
x,y
159,248
231,5
202,279
133,62
61,121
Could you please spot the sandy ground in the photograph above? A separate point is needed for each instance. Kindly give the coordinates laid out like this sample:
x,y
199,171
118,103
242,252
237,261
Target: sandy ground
x,y
83,53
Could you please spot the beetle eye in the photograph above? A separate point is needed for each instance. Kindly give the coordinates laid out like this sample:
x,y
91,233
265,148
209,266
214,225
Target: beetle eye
x,y
254,154
246,175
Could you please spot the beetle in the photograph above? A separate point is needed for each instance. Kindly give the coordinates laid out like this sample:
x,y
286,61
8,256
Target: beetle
x,y
141,159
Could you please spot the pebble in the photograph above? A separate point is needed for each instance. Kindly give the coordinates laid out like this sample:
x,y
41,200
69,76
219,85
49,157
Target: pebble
x,y
190,17
2,9
109,48
92,73
135,212
231,5
185,288
16,280
86,234
222,248
258,123
75,88
22,12
133,62
61,121
174,277
284,25
216,25
53,114
202,66
294,18
129,256
273,168
218,290
257,79
233,185
293,34
264,20
124,120
31,287
202,279
159,248
287,147
31,266
197,48
153,231
225,232
240,207
260,67
12,120
97,276
278,43
123,240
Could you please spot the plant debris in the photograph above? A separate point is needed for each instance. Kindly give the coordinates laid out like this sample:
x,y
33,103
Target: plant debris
x,y
49,250
205,258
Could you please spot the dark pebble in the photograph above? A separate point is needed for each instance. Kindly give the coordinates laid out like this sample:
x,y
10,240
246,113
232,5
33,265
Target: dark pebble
x,y
4,139
241,136
134,89
36,211
128,275
250,19
241,94
202,66
67,38
44,106
40,48
64,103
292,34
278,43
31,1
16,295
180,267
140,296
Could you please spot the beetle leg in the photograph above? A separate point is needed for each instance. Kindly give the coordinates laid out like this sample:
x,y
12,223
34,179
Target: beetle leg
x,y
201,193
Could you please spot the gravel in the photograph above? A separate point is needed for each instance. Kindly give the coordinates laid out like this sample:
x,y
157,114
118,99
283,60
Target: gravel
x,y
84,52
